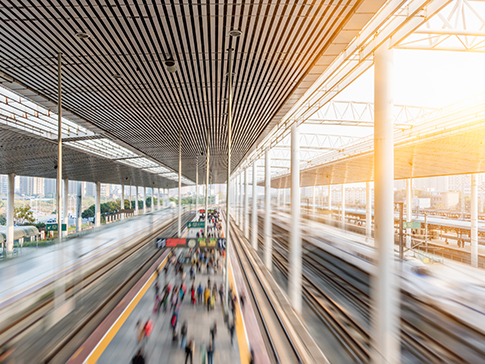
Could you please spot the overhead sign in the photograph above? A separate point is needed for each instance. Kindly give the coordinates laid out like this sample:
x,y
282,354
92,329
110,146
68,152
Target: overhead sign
x,y
411,225
54,227
203,243
195,224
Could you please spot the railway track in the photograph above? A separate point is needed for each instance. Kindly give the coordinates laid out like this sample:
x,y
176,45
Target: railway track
x,y
352,335
29,331
281,348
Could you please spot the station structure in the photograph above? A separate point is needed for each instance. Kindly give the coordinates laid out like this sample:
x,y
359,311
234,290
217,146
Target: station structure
x,y
151,95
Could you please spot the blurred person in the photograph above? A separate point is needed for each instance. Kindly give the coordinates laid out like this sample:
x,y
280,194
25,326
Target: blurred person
x,y
138,358
210,353
200,290
213,333
183,335
189,351
232,328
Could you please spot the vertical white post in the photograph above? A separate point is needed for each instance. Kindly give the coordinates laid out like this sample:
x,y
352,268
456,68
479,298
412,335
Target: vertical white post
x,y
254,210
386,348
196,189
152,207
158,198
97,205
368,211
268,238
237,191
246,205
329,207
474,221
144,200
136,200
65,216
122,201
10,213
284,199
180,187
343,207
409,209
207,166
313,198
295,233
277,199
79,207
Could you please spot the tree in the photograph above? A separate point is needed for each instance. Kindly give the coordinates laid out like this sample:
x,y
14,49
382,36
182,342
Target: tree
x,y
23,215
3,220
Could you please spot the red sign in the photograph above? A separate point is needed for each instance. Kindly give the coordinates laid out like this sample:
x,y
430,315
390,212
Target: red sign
x,y
176,242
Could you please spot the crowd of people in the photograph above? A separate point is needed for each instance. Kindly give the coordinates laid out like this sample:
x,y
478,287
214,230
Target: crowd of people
x,y
214,226
202,292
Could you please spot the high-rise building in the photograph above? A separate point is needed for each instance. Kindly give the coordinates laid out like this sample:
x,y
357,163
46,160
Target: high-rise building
x,y
3,184
49,187
90,189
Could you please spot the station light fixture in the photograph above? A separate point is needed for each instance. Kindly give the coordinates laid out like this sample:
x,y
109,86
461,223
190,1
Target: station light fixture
x,y
83,35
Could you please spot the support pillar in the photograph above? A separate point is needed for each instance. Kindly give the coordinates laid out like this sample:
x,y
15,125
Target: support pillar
x,y
122,201
385,345
254,210
65,215
295,232
409,209
97,205
158,198
207,185
277,199
368,211
180,187
313,198
136,200
474,221
246,205
152,206
342,212
144,200
79,206
268,238
197,190
10,213
329,207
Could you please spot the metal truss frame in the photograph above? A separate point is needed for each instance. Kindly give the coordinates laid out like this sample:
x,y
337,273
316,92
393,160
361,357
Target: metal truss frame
x,y
395,21
460,26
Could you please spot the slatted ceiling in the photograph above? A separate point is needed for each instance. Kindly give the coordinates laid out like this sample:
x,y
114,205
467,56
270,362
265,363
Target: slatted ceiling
x,y
145,108
36,157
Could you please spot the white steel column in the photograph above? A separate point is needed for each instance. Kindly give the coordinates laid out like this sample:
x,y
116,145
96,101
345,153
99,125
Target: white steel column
x,y
277,199
254,210
122,201
97,205
329,201
196,189
144,200
152,207
246,205
474,221
295,232
284,199
180,187
158,198
236,190
313,198
10,213
385,345
65,215
342,212
368,211
268,238
136,200
79,206
409,209
207,185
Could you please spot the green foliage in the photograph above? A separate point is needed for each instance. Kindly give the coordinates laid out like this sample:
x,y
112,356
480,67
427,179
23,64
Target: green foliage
x,y
23,215
3,219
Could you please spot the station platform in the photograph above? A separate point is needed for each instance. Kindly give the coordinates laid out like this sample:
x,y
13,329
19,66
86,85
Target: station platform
x,y
39,267
116,339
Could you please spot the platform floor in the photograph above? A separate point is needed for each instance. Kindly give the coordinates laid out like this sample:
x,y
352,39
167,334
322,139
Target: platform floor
x,y
159,347
28,271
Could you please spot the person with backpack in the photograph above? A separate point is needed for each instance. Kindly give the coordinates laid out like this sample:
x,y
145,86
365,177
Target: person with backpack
x,y
210,353
138,358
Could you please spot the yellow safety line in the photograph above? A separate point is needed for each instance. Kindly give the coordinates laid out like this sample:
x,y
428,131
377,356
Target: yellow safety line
x,y
241,336
103,344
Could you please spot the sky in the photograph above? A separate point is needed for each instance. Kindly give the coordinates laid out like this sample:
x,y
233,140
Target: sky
x,y
426,78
